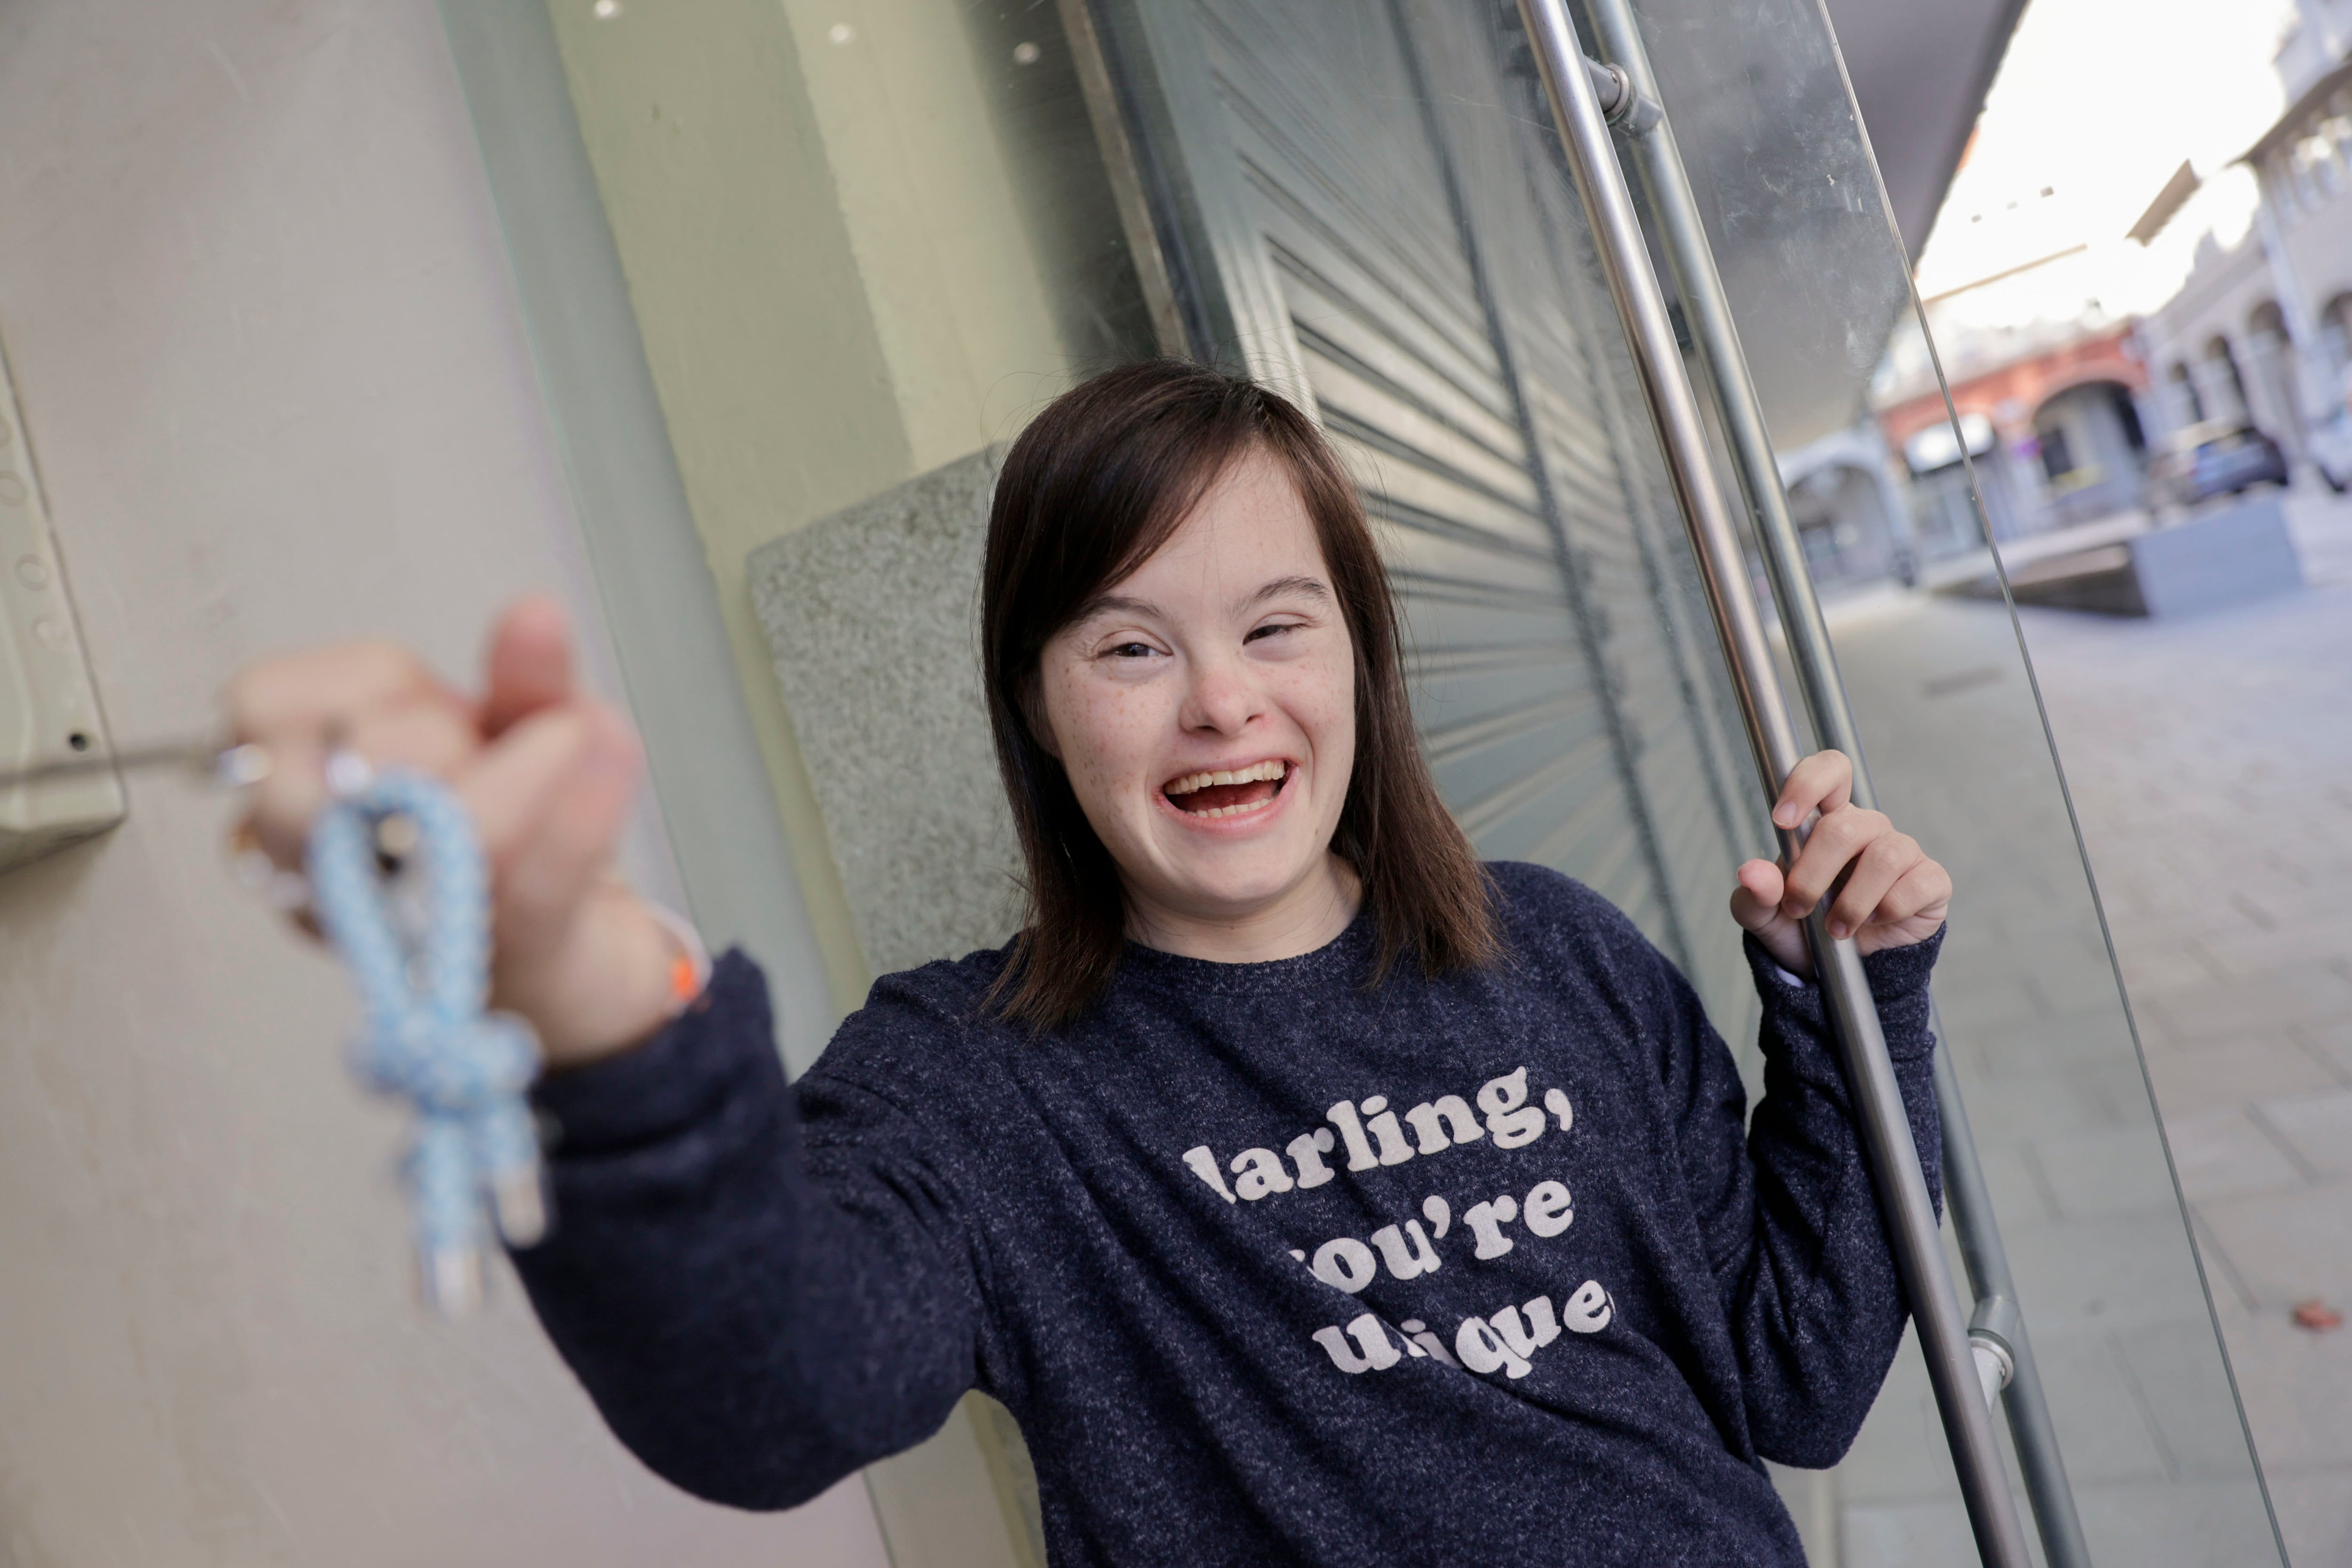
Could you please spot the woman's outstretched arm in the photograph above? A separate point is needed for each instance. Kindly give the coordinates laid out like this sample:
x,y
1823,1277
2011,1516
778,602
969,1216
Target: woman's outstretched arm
x,y
763,1287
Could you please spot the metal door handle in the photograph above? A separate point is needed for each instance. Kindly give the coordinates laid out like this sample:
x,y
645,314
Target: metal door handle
x,y
1682,237
1879,1111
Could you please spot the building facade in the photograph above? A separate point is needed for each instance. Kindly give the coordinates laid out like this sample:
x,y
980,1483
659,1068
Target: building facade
x,y
2055,431
2261,331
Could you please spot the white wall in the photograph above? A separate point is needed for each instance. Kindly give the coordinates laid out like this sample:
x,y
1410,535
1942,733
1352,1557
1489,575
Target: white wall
x,y
2319,250
2219,298
270,366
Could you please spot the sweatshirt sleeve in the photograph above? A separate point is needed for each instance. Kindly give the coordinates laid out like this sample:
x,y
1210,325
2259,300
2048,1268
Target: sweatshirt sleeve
x,y
763,1286
1790,1213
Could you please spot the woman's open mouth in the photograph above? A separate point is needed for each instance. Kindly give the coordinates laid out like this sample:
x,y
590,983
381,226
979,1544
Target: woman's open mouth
x,y
1234,794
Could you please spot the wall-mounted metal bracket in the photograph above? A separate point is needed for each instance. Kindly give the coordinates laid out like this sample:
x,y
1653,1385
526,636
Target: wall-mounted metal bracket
x,y
57,783
1625,106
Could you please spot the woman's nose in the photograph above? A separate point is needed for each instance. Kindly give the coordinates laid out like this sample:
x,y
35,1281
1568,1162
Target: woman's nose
x,y
1223,699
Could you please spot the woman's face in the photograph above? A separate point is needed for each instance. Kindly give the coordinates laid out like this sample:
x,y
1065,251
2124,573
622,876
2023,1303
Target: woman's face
x,y
1204,709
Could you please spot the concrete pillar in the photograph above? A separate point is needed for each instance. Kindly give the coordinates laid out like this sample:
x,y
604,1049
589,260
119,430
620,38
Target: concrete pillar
x,y
2314,370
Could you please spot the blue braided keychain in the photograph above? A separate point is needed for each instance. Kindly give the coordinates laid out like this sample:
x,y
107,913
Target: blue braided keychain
x,y
418,947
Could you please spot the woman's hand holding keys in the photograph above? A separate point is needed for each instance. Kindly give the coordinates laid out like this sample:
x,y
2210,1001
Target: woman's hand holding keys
x,y
1889,893
547,772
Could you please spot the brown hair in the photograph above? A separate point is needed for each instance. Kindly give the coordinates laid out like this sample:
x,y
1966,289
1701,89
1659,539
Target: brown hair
x,y
1095,485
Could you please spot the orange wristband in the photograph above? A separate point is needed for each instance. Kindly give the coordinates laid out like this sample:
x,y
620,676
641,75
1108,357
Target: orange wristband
x,y
689,971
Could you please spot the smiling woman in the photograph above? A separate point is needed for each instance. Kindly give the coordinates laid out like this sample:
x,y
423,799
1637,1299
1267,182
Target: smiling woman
x,y
1258,948
1197,692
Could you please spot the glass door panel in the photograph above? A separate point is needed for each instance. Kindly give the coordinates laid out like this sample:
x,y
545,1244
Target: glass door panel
x,y
2034,1014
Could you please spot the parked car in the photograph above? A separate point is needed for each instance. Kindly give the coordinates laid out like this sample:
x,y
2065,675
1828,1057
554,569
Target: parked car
x,y
2219,457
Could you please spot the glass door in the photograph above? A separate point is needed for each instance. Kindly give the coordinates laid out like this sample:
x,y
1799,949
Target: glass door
x,y
2077,1214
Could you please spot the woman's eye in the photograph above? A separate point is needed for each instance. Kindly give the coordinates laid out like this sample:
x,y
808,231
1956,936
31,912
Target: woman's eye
x,y
1258,633
1129,650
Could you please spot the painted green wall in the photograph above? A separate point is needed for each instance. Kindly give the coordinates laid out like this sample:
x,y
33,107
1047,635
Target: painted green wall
x,y
828,261
955,289
833,279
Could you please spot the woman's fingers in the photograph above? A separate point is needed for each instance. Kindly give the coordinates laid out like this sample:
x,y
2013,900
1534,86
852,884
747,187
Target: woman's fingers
x,y
306,693
1923,894
1883,882
515,780
299,706
1756,905
1881,863
382,702
428,730
528,664
569,844
578,953
1878,875
549,799
1823,782
546,774
1836,839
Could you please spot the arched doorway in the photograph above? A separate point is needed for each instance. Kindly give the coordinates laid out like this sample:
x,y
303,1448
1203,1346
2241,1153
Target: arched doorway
x,y
2220,388
2188,404
1945,488
2336,333
2273,403
1840,510
2093,450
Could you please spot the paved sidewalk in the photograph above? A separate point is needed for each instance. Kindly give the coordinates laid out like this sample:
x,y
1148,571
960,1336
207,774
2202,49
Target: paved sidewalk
x,y
2211,765
2035,1027
2208,759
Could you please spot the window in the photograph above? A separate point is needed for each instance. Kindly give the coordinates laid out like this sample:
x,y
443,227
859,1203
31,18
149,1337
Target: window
x,y
2184,389
2335,331
2057,458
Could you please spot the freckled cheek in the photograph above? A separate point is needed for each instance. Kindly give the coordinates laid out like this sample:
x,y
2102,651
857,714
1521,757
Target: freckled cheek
x,y
1118,738
1321,702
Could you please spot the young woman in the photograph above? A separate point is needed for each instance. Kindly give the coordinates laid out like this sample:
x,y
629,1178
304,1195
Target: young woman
x,y
1311,1194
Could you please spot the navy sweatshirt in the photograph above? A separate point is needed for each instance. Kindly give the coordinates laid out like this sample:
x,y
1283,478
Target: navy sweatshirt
x,y
1272,1266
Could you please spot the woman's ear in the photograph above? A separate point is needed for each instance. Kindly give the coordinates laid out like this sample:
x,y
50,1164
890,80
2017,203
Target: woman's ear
x,y
1029,695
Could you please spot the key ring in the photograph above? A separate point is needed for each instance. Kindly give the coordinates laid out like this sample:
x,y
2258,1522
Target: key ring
x,y
415,935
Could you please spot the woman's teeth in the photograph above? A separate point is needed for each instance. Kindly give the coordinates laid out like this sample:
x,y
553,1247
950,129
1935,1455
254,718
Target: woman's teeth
x,y
1224,804
1230,810
1250,774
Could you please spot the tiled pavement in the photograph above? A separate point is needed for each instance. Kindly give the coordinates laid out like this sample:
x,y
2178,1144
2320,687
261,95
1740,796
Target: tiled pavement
x,y
2209,762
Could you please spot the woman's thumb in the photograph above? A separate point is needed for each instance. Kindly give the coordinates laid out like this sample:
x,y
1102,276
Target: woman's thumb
x,y
529,663
1756,901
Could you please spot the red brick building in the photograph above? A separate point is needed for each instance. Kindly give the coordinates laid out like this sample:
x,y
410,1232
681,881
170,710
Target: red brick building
x,y
2009,395
2056,433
